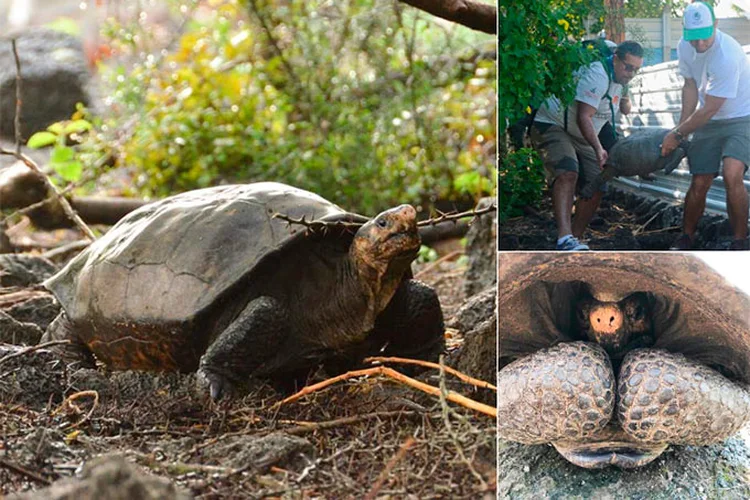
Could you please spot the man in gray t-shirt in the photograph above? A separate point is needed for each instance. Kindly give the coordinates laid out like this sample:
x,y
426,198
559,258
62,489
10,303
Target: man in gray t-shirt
x,y
567,137
717,75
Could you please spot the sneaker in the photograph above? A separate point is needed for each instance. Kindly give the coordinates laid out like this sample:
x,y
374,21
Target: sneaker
x,y
684,242
570,243
740,244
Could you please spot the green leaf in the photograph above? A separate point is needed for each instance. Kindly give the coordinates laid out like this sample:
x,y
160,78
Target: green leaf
x,y
63,162
77,126
41,139
61,154
71,171
56,128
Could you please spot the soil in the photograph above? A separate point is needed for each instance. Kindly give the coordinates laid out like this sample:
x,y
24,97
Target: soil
x,y
97,434
624,221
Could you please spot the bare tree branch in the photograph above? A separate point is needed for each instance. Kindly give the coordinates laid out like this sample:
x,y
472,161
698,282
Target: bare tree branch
x,y
475,15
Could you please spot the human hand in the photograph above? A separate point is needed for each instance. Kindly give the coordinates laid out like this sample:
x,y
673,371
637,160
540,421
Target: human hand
x,y
601,156
669,143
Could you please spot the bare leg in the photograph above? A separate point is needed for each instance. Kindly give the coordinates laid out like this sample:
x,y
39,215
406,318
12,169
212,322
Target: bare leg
x,y
562,200
695,202
585,210
737,203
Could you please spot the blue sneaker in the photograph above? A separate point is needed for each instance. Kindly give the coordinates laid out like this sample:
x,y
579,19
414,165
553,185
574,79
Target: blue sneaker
x,y
570,243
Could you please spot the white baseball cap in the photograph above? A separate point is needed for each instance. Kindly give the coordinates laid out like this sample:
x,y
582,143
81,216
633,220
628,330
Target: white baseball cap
x,y
698,21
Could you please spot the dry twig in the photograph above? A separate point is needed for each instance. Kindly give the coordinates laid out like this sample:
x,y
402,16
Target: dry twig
x,y
400,454
23,471
469,380
400,377
32,349
32,164
442,259
69,403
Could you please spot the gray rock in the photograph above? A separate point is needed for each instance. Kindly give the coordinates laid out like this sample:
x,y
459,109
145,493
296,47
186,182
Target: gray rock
x,y
24,270
110,477
54,78
481,248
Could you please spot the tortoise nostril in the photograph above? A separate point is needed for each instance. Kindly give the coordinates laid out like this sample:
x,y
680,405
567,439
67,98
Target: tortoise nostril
x,y
611,319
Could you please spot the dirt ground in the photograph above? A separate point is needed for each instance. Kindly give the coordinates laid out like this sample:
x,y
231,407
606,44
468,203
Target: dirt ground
x,y
624,221
363,436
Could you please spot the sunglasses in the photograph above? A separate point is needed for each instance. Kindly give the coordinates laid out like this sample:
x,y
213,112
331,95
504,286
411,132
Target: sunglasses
x,y
629,67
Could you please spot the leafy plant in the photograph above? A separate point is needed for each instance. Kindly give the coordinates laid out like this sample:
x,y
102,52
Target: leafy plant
x,y
63,159
343,99
520,182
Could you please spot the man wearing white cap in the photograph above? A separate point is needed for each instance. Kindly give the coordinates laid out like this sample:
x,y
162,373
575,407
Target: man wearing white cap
x,y
717,74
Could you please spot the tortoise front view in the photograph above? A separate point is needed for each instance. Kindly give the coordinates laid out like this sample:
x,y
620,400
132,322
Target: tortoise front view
x,y
612,357
211,280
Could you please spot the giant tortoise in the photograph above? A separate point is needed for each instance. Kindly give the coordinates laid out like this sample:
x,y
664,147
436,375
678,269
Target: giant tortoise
x,y
211,280
611,357
638,154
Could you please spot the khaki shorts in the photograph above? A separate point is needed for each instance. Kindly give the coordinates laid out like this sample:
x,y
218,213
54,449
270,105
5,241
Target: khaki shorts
x,y
562,152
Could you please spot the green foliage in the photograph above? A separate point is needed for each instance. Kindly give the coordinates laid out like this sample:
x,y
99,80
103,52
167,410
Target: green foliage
x,y
539,52
63,159
520,182
426,254
344,99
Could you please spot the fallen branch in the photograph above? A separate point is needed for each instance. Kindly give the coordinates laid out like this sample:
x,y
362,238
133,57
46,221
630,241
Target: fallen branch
x,y
466,378
400,454
400,377
475,15
31,349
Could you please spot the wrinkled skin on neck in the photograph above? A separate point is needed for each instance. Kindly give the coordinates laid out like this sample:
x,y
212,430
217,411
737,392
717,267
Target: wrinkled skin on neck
x,y
382,252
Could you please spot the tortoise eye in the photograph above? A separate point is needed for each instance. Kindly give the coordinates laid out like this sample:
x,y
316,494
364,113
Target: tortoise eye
x,y
381,222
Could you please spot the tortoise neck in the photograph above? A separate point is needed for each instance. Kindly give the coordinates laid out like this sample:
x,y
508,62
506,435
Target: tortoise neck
x,y
379,280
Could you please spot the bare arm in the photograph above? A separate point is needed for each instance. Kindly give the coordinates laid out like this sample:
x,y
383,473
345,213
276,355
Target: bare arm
x,y
625,105
689,99
584,119
690,119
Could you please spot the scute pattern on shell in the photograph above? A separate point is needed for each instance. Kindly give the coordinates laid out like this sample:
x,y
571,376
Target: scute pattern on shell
x,y
167,261
563,392
667,398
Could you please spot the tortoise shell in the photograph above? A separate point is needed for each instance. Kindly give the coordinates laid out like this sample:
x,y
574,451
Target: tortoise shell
x,y
158,273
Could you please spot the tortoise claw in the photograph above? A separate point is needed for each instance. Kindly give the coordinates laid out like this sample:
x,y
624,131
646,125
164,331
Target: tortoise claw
x,y
217,385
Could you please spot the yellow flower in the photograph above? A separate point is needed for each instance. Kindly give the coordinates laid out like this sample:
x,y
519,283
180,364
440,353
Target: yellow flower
x,y
565,24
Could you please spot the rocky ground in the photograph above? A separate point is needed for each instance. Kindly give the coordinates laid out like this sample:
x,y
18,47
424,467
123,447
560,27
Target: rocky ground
x,y
624,221
97,434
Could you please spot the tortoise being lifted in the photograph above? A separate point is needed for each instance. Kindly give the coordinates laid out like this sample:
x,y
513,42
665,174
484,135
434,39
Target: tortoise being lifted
x,y
211,280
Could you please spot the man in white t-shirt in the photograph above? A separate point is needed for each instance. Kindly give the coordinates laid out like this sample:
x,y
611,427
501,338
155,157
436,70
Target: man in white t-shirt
x,y
717,75
566,137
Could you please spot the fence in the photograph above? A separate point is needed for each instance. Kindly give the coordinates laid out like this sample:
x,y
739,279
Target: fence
x,y
656,97
660,35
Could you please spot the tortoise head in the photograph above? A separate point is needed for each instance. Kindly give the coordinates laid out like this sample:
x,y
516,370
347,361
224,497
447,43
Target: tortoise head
x,y
388,243
612,325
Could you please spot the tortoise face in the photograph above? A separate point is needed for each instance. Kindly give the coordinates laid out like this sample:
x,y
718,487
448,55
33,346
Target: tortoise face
x,y
389,238
616,325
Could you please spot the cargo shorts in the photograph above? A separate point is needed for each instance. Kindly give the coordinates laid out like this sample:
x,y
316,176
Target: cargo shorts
x,y
562,152
717,139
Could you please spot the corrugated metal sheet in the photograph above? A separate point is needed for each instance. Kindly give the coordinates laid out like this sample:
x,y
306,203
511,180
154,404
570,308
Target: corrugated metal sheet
x,y
657,96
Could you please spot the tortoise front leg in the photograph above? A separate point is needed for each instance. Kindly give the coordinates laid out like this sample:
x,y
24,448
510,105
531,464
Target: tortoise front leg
x,y
565,392
75,352
254,337
411,324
